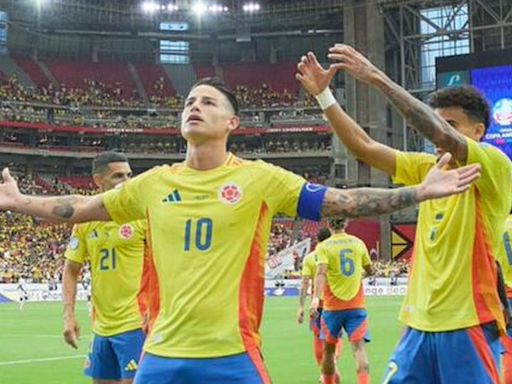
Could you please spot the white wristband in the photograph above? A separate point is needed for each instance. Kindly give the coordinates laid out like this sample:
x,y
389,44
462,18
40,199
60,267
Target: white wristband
x,y
325,99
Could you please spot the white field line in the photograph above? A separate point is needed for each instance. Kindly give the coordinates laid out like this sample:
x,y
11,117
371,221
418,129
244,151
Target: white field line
x,y
42,360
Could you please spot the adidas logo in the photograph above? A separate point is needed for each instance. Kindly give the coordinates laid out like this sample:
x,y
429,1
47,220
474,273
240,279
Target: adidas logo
x,y
132,366
174,197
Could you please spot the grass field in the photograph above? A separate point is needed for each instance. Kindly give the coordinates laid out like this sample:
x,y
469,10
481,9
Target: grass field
x,y
32,349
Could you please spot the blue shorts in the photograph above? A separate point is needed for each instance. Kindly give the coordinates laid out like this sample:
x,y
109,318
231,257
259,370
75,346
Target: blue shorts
x,y
354,321
245,368
115,357
315,324
463,356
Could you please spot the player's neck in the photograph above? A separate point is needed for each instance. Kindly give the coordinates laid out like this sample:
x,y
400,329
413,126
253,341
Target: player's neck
x,y
206,156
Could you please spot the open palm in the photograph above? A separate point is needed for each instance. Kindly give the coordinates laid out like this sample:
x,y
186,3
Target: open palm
x,y
313,77
441,183
9,193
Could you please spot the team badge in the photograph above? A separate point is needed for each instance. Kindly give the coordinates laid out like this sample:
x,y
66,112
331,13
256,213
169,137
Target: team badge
x,y
126,231
230,193
73,243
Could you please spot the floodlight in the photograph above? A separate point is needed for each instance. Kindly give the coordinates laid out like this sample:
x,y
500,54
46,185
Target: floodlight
x,y
150,6
199,8
251,7
215,8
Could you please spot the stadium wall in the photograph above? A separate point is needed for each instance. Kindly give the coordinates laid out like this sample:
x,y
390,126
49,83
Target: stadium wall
x,y
381,286
273,288
37,292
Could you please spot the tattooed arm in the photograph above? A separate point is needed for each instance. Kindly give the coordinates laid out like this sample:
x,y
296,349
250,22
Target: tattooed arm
x,y
417,114
363,202
73,209
423,118
359,202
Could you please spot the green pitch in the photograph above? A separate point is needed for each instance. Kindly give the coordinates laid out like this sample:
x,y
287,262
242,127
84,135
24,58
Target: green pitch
x,y
33,351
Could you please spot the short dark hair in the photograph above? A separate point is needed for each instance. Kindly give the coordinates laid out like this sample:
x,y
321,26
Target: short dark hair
x,y
100,162
466,97
323,234
220,86
338,223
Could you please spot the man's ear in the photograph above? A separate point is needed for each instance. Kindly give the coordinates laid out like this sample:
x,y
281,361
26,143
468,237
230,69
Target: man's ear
x,y
233,123
98,179
479,130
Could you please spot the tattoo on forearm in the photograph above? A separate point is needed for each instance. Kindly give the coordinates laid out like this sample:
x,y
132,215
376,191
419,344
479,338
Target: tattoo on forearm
x,y
422,118
64,208
367,201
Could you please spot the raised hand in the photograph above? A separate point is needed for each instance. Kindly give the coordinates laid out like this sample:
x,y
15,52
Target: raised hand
x,y
441,182
353,62
313,77
10,196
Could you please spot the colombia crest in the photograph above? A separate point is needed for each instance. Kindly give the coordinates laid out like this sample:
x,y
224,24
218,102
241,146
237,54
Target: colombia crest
x,y
230,193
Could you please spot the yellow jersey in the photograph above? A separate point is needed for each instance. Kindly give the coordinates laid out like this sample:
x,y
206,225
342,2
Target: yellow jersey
x,y
346,256
209,232
505,256
452,281
116,255
309,270
309,265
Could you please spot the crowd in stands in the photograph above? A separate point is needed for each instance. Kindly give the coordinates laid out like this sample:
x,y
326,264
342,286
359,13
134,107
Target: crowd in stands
x,y
31,249
280,238
398,268
165,144
95,93
98,104
282,144
263,97
93,118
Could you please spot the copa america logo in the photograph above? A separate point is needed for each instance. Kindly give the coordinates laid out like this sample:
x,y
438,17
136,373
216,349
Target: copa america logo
x,y
502,112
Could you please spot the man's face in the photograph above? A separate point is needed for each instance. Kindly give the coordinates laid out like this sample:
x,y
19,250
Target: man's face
x,y
116,173
207,115
458,119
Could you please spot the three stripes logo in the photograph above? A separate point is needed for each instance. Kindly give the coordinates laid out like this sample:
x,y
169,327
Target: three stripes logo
x,y
132,366
173,197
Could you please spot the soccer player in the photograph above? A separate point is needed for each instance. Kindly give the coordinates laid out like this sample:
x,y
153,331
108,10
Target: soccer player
x,y
86,285
505,259
115,253
209,220
22,292
308,279
452,310
341,261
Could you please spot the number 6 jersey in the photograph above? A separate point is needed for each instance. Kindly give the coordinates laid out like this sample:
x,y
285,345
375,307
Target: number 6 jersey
x,y
345,256
209,232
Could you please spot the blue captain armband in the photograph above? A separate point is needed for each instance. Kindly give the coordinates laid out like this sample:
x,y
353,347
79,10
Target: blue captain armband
x,y
311,200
